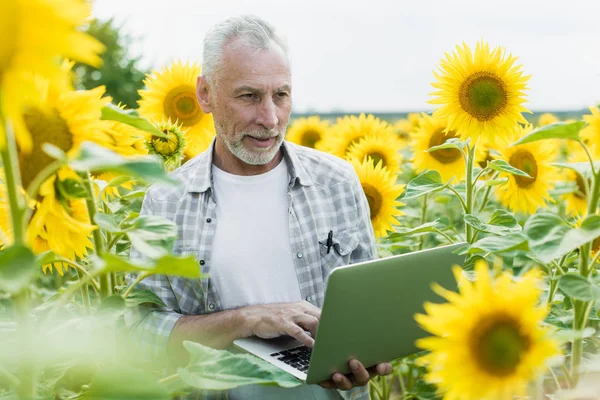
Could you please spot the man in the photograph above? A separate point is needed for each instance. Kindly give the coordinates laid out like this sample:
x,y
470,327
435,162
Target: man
x,y
256,211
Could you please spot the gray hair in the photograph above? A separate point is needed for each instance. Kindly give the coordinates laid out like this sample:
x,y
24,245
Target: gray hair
x,y
249,29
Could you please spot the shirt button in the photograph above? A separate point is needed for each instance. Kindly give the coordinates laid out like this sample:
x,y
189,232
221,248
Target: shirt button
x,y
211,306
202,262
208,220
299,255
308,298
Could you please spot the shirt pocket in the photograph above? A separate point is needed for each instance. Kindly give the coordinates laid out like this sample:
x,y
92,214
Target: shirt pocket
x,y
342,245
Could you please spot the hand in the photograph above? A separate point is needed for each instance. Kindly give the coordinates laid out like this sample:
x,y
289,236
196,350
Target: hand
x,y
360,376
273,320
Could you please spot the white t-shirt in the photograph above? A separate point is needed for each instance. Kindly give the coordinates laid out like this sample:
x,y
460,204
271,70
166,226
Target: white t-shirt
x,y
251,256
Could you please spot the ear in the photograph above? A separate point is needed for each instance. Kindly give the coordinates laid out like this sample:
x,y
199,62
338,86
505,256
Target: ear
x,y
202,95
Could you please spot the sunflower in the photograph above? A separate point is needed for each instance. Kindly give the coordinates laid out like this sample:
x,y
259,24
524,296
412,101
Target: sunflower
x,y
448,162
547,119
522,193
170,94
415,120
384,146
59,224
403,129
576,201
488,340
349,130
481,93
169,148
381,191
33,35
307,131
591,133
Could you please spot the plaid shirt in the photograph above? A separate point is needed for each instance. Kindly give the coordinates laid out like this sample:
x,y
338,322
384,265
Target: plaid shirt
x,y
324,194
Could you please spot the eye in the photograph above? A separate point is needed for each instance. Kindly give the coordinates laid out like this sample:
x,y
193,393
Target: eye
x,y
283,94
249,96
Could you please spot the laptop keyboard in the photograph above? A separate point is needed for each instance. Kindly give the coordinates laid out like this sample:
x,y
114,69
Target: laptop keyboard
x,y
297,357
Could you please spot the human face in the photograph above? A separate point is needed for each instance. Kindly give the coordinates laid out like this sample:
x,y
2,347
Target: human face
x,y
251,102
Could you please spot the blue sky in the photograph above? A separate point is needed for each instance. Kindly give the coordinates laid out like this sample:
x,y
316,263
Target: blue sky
x,y
379,55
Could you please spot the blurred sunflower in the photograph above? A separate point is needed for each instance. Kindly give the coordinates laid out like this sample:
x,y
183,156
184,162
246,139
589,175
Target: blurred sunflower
x,y
60,224
448,162
381,147
403,129
349,130
34,34
307,131
170,94
415,120
381,191
488,340
169,148
522,193
577,200
481,93
547,119
591,133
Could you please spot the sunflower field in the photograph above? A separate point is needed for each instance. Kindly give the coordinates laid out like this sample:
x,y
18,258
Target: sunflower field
x,y
521,190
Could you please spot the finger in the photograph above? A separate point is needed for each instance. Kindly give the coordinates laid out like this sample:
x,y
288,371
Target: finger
x,y
308,323
380,369
311,310
298,333
360,373
328,384
341,381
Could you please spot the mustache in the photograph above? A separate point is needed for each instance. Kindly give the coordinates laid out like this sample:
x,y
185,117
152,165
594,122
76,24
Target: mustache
x,y
262,134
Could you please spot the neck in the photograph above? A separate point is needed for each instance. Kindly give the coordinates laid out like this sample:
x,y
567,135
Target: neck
x,y
224,160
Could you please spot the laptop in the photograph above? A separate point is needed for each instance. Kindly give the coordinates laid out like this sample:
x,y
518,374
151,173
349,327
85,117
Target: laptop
x,y
368,314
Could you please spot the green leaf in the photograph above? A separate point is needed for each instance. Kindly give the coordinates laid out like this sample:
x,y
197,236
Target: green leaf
x,y
152,235
54,151
93,157
402,232
500,244
582,168
569,335
18,267
184,266
212,369
579,288
557,130
137,297
501,222
130,117
427,182
492,182
453,143
503,166
126,383
112,304
108,222
471,261
550,237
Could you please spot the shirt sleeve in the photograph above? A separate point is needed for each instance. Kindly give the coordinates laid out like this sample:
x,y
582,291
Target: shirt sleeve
x,y
366,249
150,325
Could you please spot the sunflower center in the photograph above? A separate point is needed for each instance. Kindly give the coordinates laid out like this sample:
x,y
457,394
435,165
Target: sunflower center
x,y
44,127
374,198
483,95
310,137
498,345
525,161
378,157
181,105
445,156
166,146
596,245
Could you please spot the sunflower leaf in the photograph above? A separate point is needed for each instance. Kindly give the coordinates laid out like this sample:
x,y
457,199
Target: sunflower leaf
x,y
500,244
557,130
501,222
582,168
54,151
93,157
550,237
428,182
453,143
129,117
492,182
108,222
503,166
18,267
151,235
126,383
222,370
137,297
184,266
579,288
401,233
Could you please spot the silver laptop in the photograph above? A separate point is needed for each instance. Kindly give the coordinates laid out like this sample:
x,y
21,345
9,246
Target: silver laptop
x,y
368,314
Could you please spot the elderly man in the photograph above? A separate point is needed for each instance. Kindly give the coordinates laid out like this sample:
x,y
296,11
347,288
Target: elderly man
x,y
256,211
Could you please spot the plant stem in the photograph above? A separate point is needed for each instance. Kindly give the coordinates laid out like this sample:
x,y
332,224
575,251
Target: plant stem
x,y
78,267
90,201
423,219
13,185
462,202
85,294
169,379
589,156
139,278
470,189
27,368
444,235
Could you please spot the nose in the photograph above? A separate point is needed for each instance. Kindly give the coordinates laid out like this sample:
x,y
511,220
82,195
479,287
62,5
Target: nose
x,y
267,114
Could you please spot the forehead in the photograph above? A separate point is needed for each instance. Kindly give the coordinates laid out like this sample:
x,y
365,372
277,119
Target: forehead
x,y
245,65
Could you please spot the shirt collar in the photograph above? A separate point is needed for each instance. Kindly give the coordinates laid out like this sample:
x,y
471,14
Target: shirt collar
x,y
202,180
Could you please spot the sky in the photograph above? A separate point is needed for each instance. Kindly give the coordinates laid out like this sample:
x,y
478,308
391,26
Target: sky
x,y
379,55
